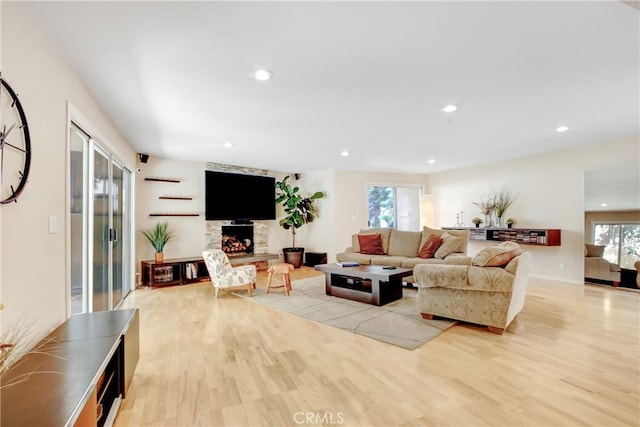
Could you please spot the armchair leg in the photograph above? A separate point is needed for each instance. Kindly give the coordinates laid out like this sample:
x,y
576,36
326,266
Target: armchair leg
x,y
495,330
249,286
217,292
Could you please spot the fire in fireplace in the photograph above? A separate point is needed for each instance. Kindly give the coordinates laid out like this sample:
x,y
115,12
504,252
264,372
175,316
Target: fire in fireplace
x,y
237,239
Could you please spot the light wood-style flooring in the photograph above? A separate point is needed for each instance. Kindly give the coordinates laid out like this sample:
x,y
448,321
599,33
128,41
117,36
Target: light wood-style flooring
x,y
571,358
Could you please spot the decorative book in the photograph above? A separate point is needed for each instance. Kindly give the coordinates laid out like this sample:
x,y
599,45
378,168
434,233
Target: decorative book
x,y
347,264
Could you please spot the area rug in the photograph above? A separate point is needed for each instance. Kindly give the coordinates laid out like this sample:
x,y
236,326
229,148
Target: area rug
x,y
398,323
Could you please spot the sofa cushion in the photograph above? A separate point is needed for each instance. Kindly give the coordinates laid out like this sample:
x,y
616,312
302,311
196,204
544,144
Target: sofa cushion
x,y
384,232
404,243
387,260
497,256
430,247
370,244
464,234
354,257
448,246
594,250
452,259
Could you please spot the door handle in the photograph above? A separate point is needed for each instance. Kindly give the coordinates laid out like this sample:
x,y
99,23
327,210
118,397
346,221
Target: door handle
x,y
113,235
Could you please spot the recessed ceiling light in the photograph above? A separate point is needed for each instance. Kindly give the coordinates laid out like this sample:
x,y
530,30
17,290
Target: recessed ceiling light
x,y
228,144
604,205
431,161
262,75
562,129
449,108
345,153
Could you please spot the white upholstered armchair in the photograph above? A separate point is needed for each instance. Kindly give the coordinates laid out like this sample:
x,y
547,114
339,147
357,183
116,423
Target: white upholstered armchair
x,y
224,276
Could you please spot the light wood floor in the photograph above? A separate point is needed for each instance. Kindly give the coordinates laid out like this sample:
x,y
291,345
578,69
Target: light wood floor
x,y
570,358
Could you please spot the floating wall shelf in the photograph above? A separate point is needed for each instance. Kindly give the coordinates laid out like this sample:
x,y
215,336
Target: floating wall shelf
x,y
161,179
175,198
174,214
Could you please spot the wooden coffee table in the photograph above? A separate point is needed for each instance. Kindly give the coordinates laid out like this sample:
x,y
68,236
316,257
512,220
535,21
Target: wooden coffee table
x,y
371,284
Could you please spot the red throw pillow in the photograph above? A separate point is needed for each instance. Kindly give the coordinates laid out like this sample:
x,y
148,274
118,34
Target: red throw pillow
x,y
371,244
430,247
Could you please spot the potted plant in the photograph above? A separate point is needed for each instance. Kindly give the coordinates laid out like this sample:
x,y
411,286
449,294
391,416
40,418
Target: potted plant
x,y
158,237
298,211
477,221
510,222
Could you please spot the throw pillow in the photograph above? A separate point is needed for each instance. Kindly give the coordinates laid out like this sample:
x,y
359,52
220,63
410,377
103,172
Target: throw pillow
x,y
463,234
497,256
430,247
384,232
594,250
371,244
449,245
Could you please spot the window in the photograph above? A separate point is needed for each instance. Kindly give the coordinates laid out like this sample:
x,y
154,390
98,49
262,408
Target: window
x,y
382,207
622,242
394,207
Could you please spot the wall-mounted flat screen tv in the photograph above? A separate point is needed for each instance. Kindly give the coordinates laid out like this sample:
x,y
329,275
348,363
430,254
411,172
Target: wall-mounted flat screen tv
x,y
231,196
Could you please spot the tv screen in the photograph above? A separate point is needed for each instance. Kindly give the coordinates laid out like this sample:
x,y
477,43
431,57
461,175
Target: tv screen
x,y
238,196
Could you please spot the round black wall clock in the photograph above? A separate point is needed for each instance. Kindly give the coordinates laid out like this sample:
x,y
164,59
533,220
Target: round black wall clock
x,y
15,146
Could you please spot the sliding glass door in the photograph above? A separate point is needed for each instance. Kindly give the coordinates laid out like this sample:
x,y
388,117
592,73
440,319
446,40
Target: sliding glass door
x,y
100,218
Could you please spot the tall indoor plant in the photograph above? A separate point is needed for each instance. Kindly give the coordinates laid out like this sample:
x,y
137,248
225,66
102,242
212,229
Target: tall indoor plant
x,y
158,236
298,211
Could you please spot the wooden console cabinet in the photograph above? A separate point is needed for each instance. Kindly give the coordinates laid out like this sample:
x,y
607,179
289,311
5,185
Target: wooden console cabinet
x,y
522,236
180,271
79,374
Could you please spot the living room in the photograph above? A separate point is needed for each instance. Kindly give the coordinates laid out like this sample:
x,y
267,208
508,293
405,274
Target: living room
x,y
550,194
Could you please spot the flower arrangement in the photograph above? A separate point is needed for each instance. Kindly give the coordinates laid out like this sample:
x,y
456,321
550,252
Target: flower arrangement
x,y
510,222
503,200
477,221
15,342
486,206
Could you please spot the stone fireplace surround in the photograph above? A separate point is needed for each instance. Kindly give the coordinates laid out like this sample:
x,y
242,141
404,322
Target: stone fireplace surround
x,y
260,233
260,228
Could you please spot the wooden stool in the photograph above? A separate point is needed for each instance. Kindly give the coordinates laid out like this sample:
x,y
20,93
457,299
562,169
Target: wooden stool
x,y
284,270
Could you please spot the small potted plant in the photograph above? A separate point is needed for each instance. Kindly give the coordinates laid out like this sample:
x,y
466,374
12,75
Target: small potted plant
x,y
510,222
298,211
158,237
477,221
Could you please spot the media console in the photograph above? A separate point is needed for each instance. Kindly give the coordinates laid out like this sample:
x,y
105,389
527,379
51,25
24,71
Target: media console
x,y
181,271
77,376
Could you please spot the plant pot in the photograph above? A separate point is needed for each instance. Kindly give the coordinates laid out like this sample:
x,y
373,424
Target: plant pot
x,y
509,225
478,225
293,256
159,256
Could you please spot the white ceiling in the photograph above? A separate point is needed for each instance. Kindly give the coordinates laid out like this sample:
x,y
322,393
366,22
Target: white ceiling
x,y
367,77
618,187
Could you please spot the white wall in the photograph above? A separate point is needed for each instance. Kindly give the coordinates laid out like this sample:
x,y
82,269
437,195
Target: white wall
x,y
350,201
550,194
189,231
33,275
0,208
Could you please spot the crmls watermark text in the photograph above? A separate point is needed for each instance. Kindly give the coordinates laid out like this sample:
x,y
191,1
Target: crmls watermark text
x,y
318,418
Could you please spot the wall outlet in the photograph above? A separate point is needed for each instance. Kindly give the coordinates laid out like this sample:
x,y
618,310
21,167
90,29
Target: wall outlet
x,y
563,266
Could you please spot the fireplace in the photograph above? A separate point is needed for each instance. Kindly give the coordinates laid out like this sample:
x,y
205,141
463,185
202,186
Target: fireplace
x,y
237,239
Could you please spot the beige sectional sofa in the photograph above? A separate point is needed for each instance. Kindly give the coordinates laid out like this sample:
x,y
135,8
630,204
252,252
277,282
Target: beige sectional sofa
x,y
402,248
490,296
596,267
